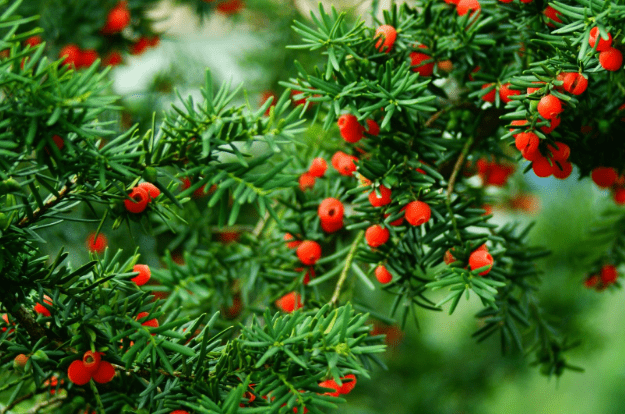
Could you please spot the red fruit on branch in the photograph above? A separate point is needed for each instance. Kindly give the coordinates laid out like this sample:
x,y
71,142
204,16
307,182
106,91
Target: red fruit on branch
x,y
574,82
551,15
152,323
91,361
490,95
97,244
118,19
306,182
376,235
104,373
350,128
331,226
309,252
383,275
387,35
480,258
331,210
291,243
417,213
549,106
349,382
417,59
604,44
505,92
151,189
289,302
383,199
87,58
604,177
611,59
464,6
608,274
42,310
78,373
542,167
143,276
318,167
137,201
72,54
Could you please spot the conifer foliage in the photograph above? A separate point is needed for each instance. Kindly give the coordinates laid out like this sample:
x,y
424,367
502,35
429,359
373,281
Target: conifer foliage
x,y
270,317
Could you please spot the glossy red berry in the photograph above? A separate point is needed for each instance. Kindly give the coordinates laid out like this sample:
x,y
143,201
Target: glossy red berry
x,y
42,310
611,59
377,235
87,58
118,19
306,182
387,35
137,201
331,226
490,95
619,196
383,275
104,373
331,384
72,54
480,258
549,106
152,323
350,128
78,373
318,167
91,360
347,165
309,252
289,302
527,141
608,274
551,15
97,244
383,199
372,127
349,382
604,44
604,177
448,258
574,82
542,167
561,153
562,169
291,243
553,123
33,41
505,92
331,210
151,189
417,213
464,6
143,276
417,59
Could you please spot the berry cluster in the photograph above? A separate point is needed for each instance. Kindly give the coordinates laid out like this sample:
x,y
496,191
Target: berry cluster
x,y
140,196
606,277
493,173
479,258
348,384
317,169
91,366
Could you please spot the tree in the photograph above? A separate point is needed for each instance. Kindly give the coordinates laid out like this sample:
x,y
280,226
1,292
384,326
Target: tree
x,y
407,113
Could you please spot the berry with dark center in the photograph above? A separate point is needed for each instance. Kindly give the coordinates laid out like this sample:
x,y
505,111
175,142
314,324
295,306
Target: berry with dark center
x,y
309,252
383,199
386,36
377,235
574,82
143,276
383,275
91,360
417,213
347,166
137,200
331,210
480,258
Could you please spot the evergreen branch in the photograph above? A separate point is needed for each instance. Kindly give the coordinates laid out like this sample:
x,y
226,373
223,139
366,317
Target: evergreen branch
x,y
452,182
348,263
53,201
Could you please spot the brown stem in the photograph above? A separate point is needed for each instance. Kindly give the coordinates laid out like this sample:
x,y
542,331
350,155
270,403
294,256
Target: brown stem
x,y
51,202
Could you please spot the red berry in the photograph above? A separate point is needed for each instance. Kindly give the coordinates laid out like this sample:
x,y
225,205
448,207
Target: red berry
x,y
230,6
291,242
611,59
318,167
336,158
138,200
310,274
505,92
265,97
152,323
383,199
114,58
498,174
72,55
139,46
42,310
87,57
464,6
349,382
143,276
186,412
562,153
604,176
331,226
350,128
387,35
117,19
574,82
608,274
78,373
96,245
104,373
553,123
20,361
542,167
527,141
475,70
33,41
448,258
604,44
564,172
417,213
151,189
306,182
549,106
489,96
480,258
417,59
331,210
592,281
377,235
383,275
347,166
309,252
332,385
91,360
551,14
289,302
372,127
619,196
